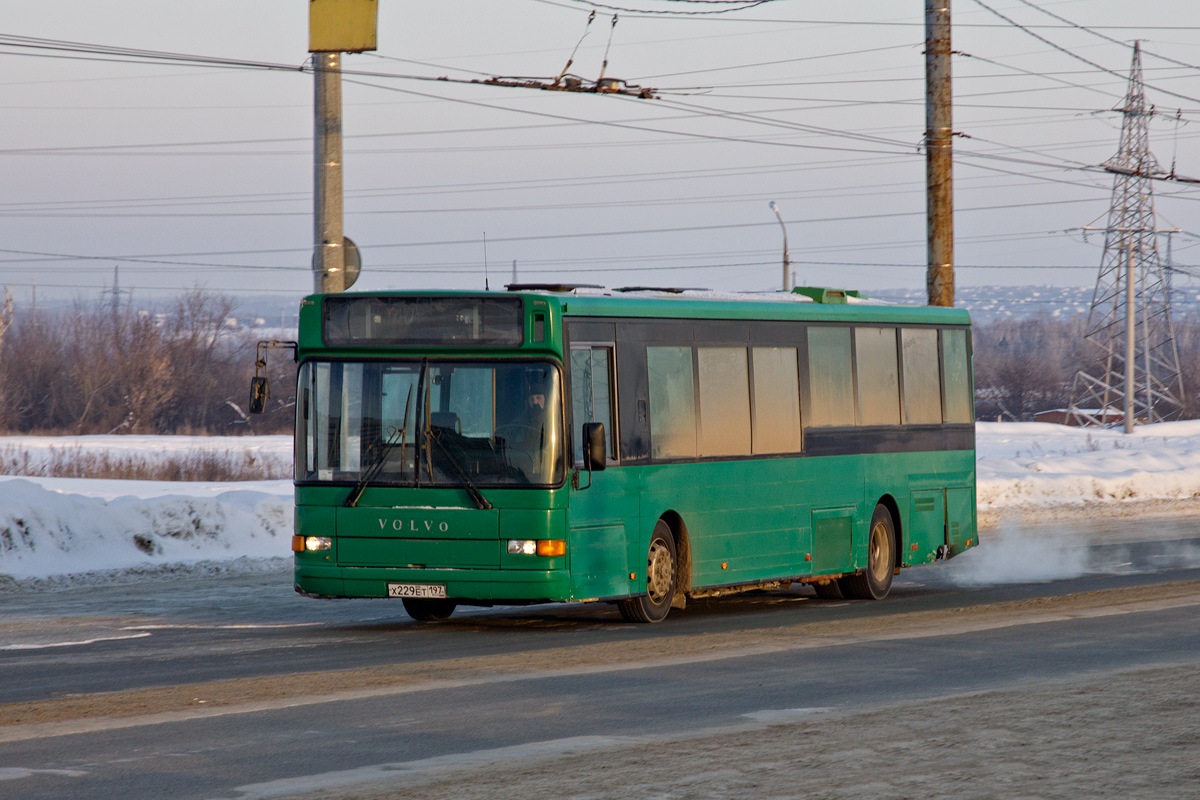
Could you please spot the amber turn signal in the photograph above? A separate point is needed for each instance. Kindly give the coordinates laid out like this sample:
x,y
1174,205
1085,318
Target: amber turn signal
x,y
297,544
551,547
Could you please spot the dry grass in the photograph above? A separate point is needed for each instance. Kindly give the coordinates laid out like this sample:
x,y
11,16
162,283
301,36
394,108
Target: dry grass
x,y
189,465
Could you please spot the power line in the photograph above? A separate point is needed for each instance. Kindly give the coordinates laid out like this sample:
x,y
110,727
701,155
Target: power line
x,y
1103,36
731,6
529,238
1076,56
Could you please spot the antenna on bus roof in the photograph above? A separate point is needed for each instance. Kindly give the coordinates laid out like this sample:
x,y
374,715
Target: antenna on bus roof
x,y
485,269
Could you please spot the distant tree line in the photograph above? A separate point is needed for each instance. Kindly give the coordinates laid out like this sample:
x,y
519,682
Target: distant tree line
x,y
1023,366
111,368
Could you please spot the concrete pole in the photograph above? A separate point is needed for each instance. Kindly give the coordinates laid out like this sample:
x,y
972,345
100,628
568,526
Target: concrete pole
x,y
1130,342
329,257
939,181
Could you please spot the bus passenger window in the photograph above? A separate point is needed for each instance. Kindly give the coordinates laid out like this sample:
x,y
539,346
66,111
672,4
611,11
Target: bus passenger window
x,y
776,401
829,377
878,376
592,396
922,377
672,402
724,401
956,372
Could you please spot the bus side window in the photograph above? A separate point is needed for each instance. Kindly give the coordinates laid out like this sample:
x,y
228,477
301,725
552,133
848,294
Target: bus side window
x,y
776,401
922,378
672,402
956,377
724,401
592,395
830,376
878,376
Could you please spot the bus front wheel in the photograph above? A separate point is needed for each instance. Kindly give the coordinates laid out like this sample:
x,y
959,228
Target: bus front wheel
x,y
426,610
661,579
875,581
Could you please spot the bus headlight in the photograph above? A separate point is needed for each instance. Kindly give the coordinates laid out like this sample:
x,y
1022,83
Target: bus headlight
x,y
312,543
537,547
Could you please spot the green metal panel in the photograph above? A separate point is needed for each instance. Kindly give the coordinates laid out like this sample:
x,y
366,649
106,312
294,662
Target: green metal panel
x,y
604,517
422,553
960,518
833,540
600,561
926,526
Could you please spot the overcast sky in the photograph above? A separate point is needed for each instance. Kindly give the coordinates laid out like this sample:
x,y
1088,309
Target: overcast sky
x,y
189,175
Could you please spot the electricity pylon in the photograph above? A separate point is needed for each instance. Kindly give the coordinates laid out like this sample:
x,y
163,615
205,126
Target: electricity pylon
x,y
1134,372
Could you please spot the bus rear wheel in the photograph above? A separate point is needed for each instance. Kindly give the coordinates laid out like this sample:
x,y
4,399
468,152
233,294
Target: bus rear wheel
x,y
426,610
662,575
875,581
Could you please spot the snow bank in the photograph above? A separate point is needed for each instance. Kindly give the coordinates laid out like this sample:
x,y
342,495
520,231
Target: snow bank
x,y
59,526
1035,463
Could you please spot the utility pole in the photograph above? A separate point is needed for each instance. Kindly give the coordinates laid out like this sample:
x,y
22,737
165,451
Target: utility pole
x,y
939,161
329,257
334,27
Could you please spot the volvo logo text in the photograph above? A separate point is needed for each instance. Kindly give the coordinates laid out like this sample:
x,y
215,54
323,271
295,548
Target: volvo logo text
x,y
415,525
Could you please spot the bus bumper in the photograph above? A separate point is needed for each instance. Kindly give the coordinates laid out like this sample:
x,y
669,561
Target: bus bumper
x,y
464,585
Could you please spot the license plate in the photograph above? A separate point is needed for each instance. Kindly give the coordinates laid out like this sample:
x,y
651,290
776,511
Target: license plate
x,y
416,590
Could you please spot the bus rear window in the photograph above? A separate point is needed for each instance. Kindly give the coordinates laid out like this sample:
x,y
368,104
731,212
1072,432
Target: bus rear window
x,y
423,321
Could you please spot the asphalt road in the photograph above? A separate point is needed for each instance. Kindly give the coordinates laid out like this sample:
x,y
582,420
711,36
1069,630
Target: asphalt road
x,y
163,633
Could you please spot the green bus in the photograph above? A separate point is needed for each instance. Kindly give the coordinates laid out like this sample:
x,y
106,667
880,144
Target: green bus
x,y
635,446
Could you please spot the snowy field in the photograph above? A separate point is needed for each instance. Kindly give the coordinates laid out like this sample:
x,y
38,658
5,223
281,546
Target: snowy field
x,y
56,531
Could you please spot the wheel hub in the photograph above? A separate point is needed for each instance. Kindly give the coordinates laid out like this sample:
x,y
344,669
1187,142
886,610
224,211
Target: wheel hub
x,y
660,572
879,558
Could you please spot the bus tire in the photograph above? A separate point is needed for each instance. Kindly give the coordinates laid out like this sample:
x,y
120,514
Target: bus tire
x,y
427,610
874,582
662,579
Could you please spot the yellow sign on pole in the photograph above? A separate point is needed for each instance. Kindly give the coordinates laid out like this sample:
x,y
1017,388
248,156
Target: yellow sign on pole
x,y
342,26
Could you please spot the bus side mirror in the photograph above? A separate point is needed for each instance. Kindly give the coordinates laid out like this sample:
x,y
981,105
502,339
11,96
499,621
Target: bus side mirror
x,y
260,390
595,449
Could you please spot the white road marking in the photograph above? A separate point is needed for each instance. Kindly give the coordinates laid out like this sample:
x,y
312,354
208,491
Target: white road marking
x,y
44,645
229,627
774,715
16,773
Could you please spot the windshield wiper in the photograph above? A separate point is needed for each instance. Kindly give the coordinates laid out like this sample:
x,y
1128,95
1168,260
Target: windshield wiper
x,y
473,490
381,456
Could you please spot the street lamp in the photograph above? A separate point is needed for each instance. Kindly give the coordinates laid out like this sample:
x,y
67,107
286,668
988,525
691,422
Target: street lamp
x,y
786,260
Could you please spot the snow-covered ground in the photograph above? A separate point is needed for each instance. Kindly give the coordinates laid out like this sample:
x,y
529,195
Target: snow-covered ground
x,y
67,527
1034,463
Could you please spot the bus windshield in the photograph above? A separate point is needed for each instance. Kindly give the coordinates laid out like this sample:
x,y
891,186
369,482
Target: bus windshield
x,y
430,423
